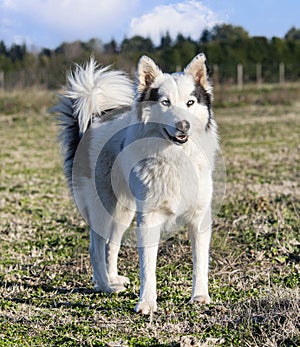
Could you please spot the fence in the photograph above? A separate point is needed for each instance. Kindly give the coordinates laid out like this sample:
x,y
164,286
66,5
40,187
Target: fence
x,y
21,79
221,74
255,73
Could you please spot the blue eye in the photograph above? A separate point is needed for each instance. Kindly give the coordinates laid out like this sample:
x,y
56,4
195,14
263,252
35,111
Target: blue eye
x,y
190,103
166,102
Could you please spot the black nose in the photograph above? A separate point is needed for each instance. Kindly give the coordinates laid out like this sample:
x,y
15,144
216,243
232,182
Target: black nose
x,y
183,126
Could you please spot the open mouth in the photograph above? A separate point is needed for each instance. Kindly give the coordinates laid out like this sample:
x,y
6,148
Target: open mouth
x,y
179,139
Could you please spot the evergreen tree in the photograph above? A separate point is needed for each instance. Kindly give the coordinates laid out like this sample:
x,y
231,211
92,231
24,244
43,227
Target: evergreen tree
x,y
293,34
3,50
165,41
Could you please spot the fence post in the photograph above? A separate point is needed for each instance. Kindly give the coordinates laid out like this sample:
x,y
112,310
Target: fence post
x,y
240,76
258,75
216,75
281,73
1,80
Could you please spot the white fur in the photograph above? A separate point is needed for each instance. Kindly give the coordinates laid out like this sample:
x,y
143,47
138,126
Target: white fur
x,y
171,185
95,90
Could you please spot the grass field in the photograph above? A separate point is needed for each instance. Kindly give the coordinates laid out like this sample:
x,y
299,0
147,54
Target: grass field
x,y
46,295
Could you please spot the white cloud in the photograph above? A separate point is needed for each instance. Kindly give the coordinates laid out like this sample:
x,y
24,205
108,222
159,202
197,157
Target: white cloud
x,y
68,19
46,23
188,18
71,13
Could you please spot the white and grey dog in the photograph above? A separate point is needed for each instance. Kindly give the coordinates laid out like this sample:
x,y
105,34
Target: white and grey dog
x,y
146,152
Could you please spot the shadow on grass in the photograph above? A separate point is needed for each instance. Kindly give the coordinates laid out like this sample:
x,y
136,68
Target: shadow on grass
x,y
47,296
48,288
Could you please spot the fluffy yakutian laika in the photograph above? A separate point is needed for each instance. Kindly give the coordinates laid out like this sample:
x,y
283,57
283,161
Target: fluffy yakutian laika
x,y
144,151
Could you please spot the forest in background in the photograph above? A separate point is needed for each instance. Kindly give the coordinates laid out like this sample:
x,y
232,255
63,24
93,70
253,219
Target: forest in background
x,y
225,46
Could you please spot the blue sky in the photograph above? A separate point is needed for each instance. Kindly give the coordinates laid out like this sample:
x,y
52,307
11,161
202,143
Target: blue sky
x,y
47,23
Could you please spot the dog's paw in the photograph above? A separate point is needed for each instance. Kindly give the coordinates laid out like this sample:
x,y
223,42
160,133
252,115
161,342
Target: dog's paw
x,y
121,280
145,308
106,288
117,288
102,287
112,288
200,299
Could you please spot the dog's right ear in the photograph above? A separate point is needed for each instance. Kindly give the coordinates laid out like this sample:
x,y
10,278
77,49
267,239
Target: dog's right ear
x,y
147,71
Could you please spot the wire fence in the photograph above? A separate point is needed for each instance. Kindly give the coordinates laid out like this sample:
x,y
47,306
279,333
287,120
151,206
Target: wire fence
x,y
221,75
255,73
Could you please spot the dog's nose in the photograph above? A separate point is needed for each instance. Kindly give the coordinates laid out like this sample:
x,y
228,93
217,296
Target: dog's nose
x,y
183,126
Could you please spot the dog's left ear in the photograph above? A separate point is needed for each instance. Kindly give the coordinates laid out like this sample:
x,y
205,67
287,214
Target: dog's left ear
x,y
199,70
147,71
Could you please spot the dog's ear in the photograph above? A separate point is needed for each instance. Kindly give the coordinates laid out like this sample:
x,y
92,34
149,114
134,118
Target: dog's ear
x,y
147,71
198,68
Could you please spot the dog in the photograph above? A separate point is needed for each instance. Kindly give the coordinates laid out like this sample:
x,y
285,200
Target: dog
x,y
142,150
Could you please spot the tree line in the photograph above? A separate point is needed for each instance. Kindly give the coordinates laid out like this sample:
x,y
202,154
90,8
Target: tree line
x,y
224,45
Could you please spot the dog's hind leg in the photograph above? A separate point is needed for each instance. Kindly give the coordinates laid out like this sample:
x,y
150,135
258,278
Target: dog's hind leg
x,y
100,275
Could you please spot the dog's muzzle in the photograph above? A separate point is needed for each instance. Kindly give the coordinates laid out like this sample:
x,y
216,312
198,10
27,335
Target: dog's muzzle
x,y
181,135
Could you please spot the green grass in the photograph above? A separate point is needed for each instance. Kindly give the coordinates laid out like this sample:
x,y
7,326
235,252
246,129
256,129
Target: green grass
x,y
46,295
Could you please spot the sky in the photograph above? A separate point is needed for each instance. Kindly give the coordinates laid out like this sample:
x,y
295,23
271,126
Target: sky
x,y
48,23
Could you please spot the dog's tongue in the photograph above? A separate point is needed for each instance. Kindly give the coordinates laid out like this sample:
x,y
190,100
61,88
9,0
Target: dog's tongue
x,y
181,137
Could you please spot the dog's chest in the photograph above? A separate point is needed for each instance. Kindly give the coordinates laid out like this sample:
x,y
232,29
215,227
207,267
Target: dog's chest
x,y
171,187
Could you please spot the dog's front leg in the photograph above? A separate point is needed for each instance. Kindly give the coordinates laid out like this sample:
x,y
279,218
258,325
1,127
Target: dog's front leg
x,y
200,238
112,250
148,239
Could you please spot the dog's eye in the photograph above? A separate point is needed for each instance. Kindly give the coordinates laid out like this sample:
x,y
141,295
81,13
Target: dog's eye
x,y
166,102
190,103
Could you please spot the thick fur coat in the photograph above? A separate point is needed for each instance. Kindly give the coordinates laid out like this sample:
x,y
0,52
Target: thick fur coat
x,y
144,151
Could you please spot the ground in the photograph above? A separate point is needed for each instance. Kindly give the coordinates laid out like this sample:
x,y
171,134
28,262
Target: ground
x,y
46,294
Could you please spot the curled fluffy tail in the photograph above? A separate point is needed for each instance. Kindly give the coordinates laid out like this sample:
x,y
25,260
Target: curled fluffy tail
x,y
91,91
95,90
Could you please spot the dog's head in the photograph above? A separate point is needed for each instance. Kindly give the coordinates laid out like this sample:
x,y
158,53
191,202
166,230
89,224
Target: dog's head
x,y
177,102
